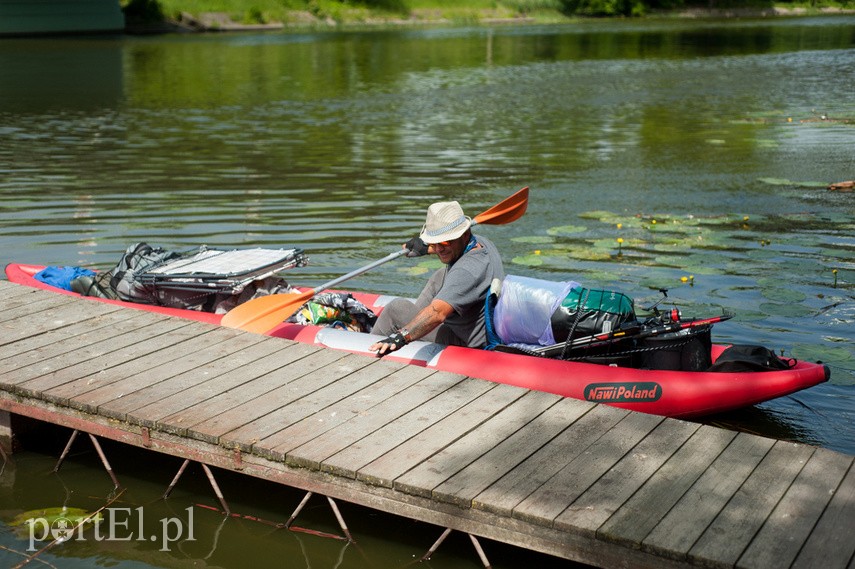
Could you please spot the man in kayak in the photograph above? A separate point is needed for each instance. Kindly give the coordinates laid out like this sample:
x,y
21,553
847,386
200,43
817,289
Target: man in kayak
x,y
450,309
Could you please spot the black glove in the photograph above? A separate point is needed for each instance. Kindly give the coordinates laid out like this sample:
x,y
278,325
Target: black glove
x,y
416,247
397,339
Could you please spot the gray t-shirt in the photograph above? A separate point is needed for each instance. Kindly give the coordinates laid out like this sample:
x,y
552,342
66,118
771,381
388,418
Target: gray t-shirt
x,y
464,287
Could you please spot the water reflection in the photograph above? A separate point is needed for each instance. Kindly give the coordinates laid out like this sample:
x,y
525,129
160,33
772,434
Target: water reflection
x,y
337,142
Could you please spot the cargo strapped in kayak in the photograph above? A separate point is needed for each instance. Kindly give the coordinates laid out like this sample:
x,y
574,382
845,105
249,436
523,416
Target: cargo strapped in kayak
x,y
227,272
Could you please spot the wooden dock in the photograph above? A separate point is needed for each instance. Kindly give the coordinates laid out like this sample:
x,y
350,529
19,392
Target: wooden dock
x,y
581,481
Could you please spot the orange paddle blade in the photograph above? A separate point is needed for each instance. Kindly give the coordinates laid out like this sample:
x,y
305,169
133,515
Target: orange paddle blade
x,y
264,313
508,210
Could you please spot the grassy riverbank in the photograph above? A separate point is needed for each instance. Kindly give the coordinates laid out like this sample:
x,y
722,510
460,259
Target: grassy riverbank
x,y
334,13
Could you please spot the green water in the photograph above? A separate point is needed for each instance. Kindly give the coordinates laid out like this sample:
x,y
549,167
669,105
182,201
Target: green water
x,y
705,146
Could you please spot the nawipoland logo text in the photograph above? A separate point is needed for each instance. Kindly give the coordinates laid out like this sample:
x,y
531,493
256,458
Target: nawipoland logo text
x,y
112,524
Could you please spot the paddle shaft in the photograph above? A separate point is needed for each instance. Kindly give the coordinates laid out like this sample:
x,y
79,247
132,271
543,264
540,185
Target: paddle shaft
x,y
359,271
262,314
366,268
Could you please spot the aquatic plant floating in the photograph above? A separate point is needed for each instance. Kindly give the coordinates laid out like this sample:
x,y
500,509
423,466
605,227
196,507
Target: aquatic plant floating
x,y
46,519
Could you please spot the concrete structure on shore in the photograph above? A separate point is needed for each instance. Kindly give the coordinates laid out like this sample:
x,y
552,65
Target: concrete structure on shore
x,y
37,17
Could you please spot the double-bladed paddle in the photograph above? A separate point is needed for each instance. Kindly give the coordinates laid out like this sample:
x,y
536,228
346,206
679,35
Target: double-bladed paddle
x,y
262,314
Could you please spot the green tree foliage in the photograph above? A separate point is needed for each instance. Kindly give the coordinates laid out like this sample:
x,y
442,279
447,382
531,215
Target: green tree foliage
x,y
145,11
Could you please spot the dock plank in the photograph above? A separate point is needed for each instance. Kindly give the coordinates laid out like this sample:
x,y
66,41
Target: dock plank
x,y
608,494
125,398
69,331
830,544
786,530
369,392
724,541
383,470
472,463
282,406
235,389
153,339
308,395
547,445
217,428
348,461
315,451
78,394
232,371
700,505
104,396
10,291
548,501
79,347
58,322
33,306
648,506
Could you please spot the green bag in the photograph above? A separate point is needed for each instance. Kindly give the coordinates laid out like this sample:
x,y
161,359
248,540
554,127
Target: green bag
x,y
601,311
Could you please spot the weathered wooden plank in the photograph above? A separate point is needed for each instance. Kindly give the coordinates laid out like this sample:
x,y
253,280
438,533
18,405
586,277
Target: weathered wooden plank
x,y
79,347
9,290
637,517
105,397
694,512
469,465
209,429
782,536
360,402
230,372
830,544
544,504
64,322
205,365
311,454
83,376
600,501
540,449
282,406
348,461
32,306
186,340
143,340
724,541
383,470
320,397
234,389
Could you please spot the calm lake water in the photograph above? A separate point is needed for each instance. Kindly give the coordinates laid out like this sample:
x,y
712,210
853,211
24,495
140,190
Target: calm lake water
x,y
705,146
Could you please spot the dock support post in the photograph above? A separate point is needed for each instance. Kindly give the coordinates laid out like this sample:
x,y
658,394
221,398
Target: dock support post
x,y
335,510
98,450
478,549
211,479
5,435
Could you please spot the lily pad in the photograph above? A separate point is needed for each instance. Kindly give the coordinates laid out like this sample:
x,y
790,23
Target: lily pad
x,y
566,230
785,310
534,239
775,181
823,353
778,294
422,268
51,522
528,260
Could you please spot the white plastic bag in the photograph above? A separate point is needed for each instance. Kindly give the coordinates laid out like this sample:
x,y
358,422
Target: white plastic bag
x,y
524,311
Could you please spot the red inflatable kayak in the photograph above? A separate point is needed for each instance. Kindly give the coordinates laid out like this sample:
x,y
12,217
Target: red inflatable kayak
x,y
659,392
